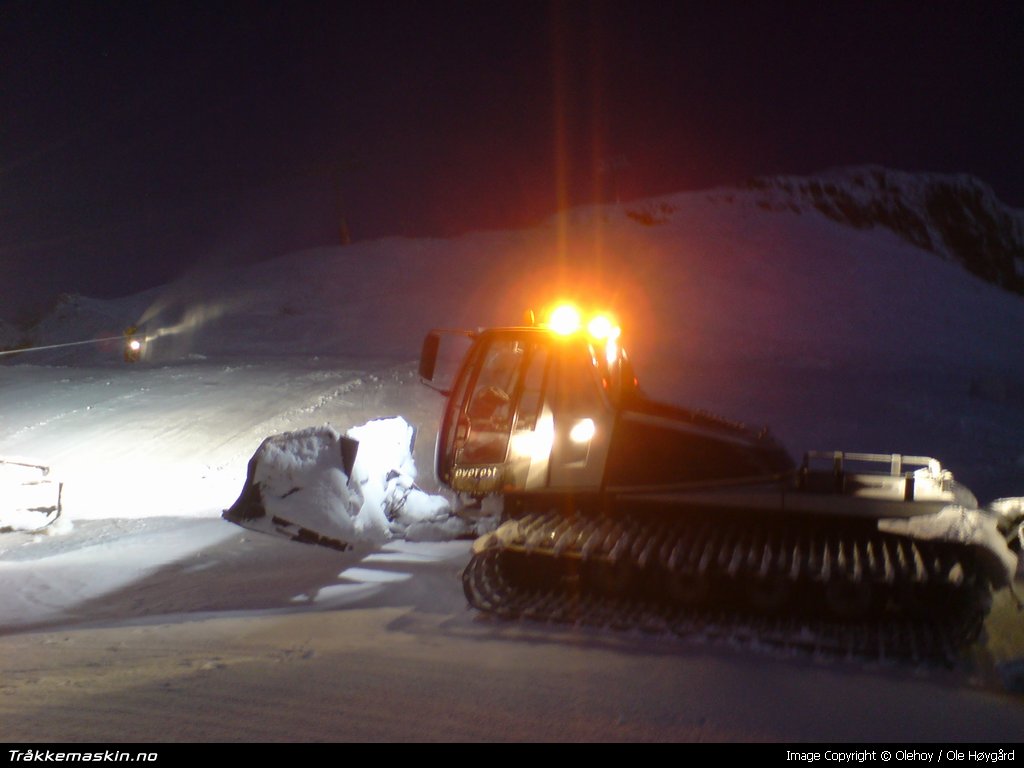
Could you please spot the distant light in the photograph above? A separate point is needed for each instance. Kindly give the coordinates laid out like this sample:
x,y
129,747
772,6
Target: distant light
x,y
582,431
565,319
134,345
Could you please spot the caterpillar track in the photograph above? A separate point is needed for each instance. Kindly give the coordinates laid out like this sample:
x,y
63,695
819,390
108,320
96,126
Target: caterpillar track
x,y
841,589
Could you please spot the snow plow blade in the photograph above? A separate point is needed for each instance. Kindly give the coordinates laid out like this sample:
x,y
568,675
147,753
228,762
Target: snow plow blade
x,y
264,502
31,498
348,492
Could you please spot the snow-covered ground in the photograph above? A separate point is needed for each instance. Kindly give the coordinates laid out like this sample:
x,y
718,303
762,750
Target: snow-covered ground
x,y
147,617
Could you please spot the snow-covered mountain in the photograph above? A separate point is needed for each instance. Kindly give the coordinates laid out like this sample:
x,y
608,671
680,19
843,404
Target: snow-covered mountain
x,y
957,217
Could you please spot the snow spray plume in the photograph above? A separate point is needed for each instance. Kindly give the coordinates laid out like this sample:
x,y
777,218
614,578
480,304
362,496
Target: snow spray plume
x,y
191,318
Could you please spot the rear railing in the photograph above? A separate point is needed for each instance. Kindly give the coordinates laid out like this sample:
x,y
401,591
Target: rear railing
x,y
884,475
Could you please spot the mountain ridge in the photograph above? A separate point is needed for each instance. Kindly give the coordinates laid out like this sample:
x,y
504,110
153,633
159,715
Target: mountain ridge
x,y
956,216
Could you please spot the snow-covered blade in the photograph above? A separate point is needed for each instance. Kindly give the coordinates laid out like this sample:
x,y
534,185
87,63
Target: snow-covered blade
x,y
341,491
30,500
297,486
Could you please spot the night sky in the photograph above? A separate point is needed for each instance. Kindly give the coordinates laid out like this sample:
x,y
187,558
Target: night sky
x,y
139,139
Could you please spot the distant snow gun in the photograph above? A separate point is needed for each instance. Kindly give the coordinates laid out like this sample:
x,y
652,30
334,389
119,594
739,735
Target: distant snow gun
x,y
132,344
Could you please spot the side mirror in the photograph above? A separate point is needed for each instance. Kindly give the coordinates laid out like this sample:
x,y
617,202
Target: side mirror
x,y
441,357
428,356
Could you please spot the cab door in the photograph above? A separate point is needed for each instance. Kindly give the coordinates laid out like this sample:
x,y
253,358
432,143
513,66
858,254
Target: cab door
x,y
492,435
527,412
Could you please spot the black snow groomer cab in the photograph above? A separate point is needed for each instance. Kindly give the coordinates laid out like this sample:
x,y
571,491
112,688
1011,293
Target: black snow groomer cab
x,y
609,498
553,413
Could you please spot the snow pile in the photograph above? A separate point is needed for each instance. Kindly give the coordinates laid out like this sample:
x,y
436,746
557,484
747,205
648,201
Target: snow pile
x,y
963,526
385,473
303,488
1009,513
1009,510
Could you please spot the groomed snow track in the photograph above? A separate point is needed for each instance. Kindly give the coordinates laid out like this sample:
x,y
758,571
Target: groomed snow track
x,y
830,588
